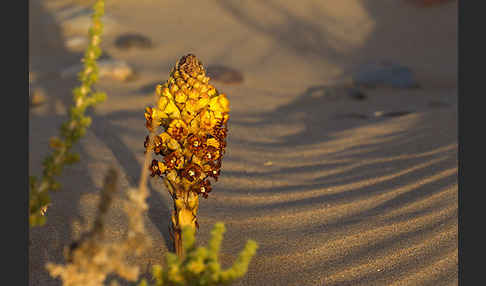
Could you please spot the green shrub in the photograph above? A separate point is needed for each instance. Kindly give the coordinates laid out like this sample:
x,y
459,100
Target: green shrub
x,y
71,130
200,266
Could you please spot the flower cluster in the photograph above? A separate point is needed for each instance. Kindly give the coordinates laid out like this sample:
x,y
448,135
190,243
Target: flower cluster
x,y
194,116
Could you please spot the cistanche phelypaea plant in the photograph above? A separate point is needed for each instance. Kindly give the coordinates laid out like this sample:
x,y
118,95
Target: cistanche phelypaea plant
x,y
194,117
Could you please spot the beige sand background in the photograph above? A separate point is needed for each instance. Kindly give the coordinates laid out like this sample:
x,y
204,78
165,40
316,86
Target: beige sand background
x,y
331,199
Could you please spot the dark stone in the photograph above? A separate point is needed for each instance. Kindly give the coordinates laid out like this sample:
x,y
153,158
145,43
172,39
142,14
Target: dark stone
x,y
129,41
384,74
427,3
149,88
438,104
357,94
37,96
396,113
352,115
224,74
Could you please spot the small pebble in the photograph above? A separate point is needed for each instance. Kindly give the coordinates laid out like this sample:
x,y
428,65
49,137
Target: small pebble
x,y
391,113
426,3
32,77
323,91
129,41
77,20
149,88
352,116
37,96
357,94
76,43
224,74
437,104
384,74
118,70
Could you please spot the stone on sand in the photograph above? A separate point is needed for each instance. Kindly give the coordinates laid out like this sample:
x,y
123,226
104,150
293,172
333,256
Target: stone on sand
x,y
131,40
76,43
37,96
77,20
224,74
109,68
384,74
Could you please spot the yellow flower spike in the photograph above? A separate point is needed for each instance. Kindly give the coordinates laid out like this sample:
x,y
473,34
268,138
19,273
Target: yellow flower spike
x,y
193,115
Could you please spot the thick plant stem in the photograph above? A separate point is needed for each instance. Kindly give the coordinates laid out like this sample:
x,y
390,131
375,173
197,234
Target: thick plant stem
x,y
184,214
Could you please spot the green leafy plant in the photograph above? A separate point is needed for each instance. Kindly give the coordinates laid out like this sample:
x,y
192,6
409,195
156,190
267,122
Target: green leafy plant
x,y
200,265
73,129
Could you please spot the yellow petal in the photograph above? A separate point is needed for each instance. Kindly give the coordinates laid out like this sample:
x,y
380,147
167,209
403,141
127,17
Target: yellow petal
x,y
172,110
180,97
224,102
212,142
162,103
161,166
166,93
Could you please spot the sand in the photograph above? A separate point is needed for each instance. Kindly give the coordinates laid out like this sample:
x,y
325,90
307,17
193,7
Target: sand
x,y
332,193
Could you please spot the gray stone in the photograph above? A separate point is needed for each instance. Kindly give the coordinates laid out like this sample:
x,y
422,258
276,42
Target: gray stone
x,y
438,104
130,41
357,94
77,20
384,74
109,68
37,96
32,77
352,115
391,113
76,43
224,74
